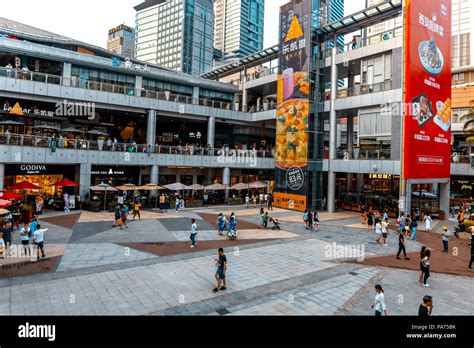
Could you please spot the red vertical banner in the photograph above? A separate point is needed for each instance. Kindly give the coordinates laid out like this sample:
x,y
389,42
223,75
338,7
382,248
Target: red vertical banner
x,y
427,121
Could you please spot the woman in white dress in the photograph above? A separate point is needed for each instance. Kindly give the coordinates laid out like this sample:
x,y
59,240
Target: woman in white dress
x,y
428,220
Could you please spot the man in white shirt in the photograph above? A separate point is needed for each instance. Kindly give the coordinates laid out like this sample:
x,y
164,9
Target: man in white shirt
x,y
38,239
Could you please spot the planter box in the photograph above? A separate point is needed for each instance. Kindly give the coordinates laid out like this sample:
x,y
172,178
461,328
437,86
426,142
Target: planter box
x,y
465,235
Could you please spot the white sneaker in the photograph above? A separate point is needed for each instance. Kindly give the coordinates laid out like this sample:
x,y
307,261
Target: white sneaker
x,y
192,246
426,285
385,245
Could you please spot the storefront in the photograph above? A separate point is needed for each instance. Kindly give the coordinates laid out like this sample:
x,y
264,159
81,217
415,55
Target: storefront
x,y
42,175
115,175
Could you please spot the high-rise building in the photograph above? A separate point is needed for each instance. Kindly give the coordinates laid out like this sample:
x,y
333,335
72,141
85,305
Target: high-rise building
x,y
238,29
176,34
122,40
462,33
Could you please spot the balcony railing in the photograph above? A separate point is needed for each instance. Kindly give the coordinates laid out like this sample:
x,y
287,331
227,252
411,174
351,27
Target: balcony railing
x,y
462,159
364,154
364,89
103,145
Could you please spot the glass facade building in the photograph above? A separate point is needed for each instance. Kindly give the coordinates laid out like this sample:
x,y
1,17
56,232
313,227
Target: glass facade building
x,y
238,28
176,34
121,40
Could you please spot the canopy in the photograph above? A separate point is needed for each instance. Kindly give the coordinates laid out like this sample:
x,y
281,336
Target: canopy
x,y
96,132
150,187
424,193
196,187
11,123
215,187
103,187
257,185
177,186
45,126
4,211
65,183
127,187
10,196
4,203
24,185
240,186
71,130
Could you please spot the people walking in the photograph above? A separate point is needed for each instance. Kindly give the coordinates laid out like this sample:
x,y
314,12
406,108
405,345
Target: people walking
x,y
25,238
254,201
310,221
422,256
445,239
117,215
247,200
193,236
221,222
385,232
428,221
426,268
379,303
7,237
265,220
262,218
316,221
401,246
38,239
177,204
123,217
221,264
378,231
401,223
136,210
370,221
305,219
413,227
426,308
270,202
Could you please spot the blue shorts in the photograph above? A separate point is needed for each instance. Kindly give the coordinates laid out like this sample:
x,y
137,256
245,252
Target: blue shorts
x,y
220,273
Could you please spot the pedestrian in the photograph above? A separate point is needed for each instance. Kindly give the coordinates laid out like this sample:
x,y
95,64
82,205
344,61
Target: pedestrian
x,y
2,246
262,218
413,226
385,215
261,199
379,303
378,231
426,308
247,200
7,237
38,239
401,223
136,210
426,267
401,246
254,201
472,250
193,237
270,202
363,215
305,219
316,221
370,221
177,204
385,232
428,221
117,215
123,216
221,222
265,220
445,239
221,264
25,238
422,256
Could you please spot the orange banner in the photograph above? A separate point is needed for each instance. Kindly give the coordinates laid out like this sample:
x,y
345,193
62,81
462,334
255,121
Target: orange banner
x,y
289,201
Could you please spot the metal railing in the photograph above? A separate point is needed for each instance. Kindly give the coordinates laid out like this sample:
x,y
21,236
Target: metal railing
x,y
371,40
364,154
462,159
103,145
364,89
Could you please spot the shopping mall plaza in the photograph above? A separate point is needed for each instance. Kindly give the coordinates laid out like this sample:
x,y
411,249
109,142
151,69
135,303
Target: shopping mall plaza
x,y
118,121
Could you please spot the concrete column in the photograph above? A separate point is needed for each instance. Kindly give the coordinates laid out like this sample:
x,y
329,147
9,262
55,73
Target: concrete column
x,y
154,175
444,198
138,86
211,131
332,134
151,128
350,135
196,95
359,182
67,70
226,180
84,179
2,176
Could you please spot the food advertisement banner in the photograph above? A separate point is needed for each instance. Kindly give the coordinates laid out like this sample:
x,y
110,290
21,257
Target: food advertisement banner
x,y
427,121
293,113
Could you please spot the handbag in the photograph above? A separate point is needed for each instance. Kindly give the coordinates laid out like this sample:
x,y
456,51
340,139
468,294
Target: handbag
x,y
119,221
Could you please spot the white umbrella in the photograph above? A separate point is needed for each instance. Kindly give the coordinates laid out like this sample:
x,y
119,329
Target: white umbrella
x,y
257,185
215,187
127,187
177,186
196,187
240,186
106,188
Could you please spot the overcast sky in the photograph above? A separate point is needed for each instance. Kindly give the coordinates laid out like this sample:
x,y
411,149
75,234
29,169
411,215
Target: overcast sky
x,y
90,20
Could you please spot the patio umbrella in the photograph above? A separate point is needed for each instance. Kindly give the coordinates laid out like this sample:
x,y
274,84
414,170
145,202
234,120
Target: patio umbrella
x,y
44,126
257,185
11,123
196,187
240,187
215,187
96,132
127,187
10,196
4,212
4,203
25,185
71,130
176,187
106,188
152,187
65,183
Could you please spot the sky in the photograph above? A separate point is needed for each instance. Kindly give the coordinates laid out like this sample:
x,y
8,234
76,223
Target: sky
x,y
90,20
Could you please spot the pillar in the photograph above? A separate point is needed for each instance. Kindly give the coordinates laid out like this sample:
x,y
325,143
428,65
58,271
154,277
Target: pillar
x,y
151,128
67,71
211,131
332,134
84,179
196,95
154,175
138,86
444,198
2,176
350,147
360,182
226,180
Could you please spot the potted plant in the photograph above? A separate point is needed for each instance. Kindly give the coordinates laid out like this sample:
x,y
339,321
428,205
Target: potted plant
x,y
235,201
100,142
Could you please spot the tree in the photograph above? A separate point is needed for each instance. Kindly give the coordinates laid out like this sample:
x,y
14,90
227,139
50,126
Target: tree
x,y
468,120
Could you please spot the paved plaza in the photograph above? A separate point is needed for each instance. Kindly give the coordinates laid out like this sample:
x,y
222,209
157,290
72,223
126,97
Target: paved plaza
x,y
102,270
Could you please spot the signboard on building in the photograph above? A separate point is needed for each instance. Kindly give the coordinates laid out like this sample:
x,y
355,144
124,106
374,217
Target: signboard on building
x,y
292,131
427,121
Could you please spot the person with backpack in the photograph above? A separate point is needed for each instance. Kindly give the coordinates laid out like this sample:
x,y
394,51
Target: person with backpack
x,y
221,223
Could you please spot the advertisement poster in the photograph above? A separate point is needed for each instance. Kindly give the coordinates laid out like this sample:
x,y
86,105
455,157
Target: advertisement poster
x,y
427,125
292,129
